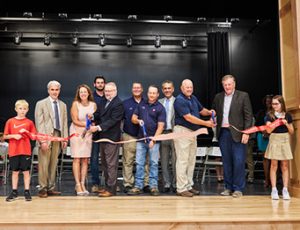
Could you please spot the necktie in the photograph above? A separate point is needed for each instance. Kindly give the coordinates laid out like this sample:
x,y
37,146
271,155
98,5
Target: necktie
x,y
107,103
167,105
56,116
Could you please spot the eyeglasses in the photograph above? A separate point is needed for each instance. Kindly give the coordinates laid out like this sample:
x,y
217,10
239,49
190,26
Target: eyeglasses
x,y
275,103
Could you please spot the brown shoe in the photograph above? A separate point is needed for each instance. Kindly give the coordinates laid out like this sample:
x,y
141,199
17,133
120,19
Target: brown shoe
x,y
194,191
53,193
185,194
101,190
43,194
105,194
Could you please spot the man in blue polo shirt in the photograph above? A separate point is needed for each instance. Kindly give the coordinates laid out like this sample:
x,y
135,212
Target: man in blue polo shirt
x,y
151,116
130,131
187,119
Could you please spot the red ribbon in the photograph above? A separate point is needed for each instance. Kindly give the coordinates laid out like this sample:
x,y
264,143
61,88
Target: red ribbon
x,y
261,128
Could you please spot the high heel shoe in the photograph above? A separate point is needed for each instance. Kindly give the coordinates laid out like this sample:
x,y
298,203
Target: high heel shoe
x,y
85,192
77,190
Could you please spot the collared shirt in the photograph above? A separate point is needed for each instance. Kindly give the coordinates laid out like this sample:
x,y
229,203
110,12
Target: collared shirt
x,y
168,125
130,105
183,106
98,99
226,109
151,114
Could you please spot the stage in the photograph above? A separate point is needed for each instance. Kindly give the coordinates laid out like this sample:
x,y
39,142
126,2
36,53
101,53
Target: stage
x,y
148,212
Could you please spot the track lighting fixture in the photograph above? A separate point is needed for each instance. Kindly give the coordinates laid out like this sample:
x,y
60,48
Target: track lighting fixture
x,y
157,42
97,16
27,14
102,40
47,41
132,17
17,38
75,40
168,18
184,43
129,41
63,15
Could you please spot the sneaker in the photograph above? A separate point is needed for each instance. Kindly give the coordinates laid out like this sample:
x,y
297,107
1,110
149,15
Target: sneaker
x,y
154,192
237,194
12,196
285,194
274,194
134,191
226,192
27,196
95,188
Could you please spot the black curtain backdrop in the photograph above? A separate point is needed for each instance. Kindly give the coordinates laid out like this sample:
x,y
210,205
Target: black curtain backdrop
x,y
218,62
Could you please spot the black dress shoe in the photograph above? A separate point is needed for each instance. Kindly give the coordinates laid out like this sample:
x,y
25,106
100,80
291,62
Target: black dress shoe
x,y
166,189
146,189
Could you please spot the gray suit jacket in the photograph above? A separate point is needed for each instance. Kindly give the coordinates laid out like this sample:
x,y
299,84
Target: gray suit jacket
x,y
45,118
172,99
240,113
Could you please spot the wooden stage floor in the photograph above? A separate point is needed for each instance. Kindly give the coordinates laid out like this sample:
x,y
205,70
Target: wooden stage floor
x,y
147,212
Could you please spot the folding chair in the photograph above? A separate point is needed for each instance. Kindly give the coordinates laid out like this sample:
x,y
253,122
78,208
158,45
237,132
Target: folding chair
x,y
200,154
34,161
65,162
211,151
4,162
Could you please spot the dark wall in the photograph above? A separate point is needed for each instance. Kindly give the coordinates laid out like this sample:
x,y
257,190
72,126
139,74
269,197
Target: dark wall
x,y
27,68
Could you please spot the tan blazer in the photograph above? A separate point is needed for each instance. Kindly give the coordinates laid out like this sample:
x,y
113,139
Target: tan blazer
x,y
45,118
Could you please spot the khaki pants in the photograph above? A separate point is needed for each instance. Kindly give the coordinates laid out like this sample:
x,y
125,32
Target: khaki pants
x,y
48,164
185,149
128,159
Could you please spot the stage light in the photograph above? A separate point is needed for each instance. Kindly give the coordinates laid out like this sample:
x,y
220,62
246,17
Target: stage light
x,y
63,15
27,14
201,19
157,42
132,17
17,38
102,40
47,40
129,41
184,43
75,40
168,18
97,16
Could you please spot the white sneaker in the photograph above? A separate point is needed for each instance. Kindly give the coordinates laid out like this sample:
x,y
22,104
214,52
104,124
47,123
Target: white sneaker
x,y
285,194
274,194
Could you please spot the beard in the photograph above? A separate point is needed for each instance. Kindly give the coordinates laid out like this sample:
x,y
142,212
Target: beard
x,y
99,89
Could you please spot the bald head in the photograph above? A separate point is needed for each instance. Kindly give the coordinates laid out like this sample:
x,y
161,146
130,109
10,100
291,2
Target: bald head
x,y
187,87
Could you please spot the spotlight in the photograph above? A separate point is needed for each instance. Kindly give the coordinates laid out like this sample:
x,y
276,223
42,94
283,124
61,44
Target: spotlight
x,y
201,19
75,40
63,15
184,43
27,14
157,42
97,16
129,41
17,38
132,17
168,18
234,20
102,40
47,40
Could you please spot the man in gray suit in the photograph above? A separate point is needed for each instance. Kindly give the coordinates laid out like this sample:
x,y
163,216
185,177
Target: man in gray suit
x,y
51,119
233,107
167,149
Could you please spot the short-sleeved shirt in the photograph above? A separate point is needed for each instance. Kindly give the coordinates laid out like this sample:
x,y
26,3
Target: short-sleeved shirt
x,y
183,106
151,114
281,128
98,99
22,146
129,106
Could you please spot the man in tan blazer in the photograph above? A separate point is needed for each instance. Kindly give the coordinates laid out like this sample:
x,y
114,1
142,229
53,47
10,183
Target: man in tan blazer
x,y
50,118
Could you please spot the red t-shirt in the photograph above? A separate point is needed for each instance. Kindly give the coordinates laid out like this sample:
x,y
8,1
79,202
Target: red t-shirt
x,y
22,146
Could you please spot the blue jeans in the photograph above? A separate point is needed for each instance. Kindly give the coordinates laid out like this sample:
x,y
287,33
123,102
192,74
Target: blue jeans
x,y
233,157
141,150
94,161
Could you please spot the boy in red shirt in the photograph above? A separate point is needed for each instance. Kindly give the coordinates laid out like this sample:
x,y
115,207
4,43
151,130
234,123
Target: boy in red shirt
x,y
19,150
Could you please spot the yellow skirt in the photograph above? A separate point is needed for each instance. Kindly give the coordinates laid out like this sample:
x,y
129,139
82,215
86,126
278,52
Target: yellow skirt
x,y
279,147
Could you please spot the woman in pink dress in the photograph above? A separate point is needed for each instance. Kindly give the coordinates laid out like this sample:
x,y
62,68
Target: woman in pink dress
x,y
81,145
